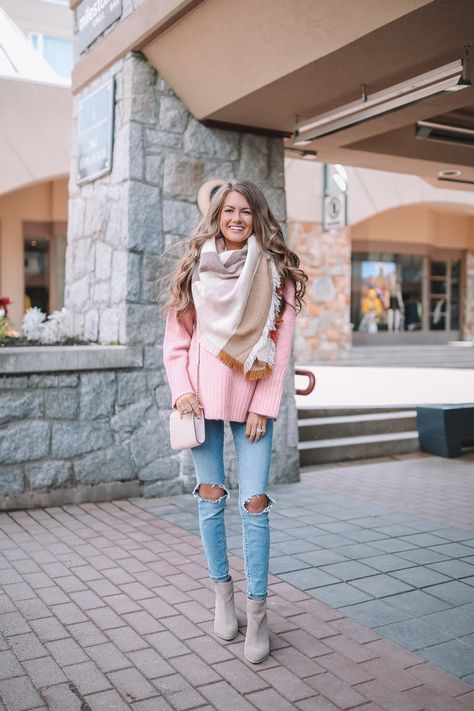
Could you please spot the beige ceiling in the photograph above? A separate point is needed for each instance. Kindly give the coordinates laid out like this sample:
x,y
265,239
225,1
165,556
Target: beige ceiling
x,y
262,65
222,54
35,113
35,128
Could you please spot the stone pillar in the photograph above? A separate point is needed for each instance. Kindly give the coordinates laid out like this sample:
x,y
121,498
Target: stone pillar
x,y
468,330
119,226
323,331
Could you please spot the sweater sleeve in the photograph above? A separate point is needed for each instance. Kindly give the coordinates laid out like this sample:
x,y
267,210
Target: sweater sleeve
x,y
267,395
178,336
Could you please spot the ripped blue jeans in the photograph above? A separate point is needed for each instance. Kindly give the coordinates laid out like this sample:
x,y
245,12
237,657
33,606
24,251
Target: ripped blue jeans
x,y
253,462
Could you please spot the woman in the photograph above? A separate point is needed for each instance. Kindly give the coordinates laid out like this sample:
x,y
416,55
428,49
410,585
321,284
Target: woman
x,y
233,301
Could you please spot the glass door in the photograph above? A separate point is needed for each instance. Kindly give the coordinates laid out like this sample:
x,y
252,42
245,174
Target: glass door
x,y
443,294
36,260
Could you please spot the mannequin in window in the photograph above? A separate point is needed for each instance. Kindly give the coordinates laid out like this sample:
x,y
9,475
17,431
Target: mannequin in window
x,y
395,309
371,310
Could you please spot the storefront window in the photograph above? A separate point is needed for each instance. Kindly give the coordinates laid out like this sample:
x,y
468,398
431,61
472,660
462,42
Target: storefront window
x,y
37,273
444,294
58,52
390,292
386,292
438,294
455,290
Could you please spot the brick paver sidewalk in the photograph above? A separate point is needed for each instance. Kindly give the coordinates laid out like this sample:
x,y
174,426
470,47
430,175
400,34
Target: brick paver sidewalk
x,y
389,543
109,607
437,488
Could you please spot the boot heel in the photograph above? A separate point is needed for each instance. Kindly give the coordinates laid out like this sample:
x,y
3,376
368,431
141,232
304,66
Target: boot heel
x,y
257,645
225,619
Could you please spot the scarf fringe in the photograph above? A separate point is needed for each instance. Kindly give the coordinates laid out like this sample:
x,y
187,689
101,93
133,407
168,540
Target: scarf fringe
x,y
230,361
270,326
237,365
258,374
211,348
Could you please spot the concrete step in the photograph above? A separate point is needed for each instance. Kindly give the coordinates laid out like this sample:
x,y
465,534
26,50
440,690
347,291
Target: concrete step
x,y
329,427
310,412
407,362
403,356
341,449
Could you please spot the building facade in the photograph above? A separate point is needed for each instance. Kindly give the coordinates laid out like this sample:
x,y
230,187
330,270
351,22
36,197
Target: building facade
x,y
399,272
400,265
154,115
35,135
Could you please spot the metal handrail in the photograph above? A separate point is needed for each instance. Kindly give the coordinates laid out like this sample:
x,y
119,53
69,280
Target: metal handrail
x,y
311,384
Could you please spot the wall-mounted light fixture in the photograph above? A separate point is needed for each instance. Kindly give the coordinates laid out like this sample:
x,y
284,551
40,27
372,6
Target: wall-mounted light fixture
x,y
445,133
450,77
308,155
451,173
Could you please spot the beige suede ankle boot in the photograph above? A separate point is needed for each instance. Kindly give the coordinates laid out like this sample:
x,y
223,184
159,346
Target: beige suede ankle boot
x,y
225,620
257,646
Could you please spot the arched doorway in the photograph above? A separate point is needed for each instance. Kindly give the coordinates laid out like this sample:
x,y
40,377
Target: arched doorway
x,y
33,229
409,274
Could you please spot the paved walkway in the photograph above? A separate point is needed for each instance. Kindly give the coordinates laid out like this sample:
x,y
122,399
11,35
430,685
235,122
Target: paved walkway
x,y
108,606
387,543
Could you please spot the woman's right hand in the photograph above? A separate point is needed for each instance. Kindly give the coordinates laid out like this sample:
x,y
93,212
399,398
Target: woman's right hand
x,y
187,403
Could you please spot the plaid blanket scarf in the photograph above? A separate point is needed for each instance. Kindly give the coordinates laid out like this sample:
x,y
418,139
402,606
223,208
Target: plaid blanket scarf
x,y
237,298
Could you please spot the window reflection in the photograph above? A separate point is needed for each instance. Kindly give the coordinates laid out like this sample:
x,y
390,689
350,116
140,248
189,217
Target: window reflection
x,y
36,269
386,292
390,293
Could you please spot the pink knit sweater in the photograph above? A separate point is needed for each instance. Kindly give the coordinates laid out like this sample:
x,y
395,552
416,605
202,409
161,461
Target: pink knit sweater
x,y
224,393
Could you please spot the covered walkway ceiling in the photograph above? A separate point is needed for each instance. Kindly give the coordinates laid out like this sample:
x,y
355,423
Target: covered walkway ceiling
x,y
35,113
267,65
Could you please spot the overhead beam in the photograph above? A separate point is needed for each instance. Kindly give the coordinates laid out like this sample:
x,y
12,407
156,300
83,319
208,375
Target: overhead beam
x,y
143,25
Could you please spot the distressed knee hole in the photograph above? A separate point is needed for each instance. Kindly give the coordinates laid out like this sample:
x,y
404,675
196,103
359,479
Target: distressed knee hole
x,y
257,504
210,492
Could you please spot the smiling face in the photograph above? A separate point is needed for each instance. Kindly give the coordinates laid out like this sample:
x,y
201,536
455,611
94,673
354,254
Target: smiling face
x,y
235,220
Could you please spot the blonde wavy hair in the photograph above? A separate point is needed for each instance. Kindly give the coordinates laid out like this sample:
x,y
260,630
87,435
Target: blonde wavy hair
x,y
268,234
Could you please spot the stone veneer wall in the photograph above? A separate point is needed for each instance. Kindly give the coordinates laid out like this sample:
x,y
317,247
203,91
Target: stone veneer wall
x,y
120,224
468,330
94,429
92,435
77,436
323,331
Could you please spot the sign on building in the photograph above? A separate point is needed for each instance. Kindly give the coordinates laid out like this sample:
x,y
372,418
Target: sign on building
x,y
93,17
95,133
335,197
334,211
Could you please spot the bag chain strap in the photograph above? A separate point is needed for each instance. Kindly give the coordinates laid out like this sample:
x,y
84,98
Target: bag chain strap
x,y
198,364
197,383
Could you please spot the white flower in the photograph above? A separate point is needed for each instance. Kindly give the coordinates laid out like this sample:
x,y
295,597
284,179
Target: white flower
x,y
52,329
33,323
49,332
58,323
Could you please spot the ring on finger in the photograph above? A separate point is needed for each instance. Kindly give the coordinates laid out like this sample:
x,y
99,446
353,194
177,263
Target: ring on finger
x,y
259,430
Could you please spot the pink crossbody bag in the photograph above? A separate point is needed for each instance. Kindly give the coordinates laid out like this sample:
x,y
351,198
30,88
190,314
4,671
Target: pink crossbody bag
x,y
187,431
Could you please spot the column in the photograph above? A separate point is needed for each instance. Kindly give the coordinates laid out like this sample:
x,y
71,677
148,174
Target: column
x,y
119,226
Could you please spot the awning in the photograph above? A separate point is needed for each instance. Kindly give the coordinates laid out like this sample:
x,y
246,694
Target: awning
x,y
35,113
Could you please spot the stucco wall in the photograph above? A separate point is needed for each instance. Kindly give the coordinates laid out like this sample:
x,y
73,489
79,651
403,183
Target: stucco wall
x,y
45,202
419,225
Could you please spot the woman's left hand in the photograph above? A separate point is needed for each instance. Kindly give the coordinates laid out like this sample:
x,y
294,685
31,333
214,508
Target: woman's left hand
x,y
256,426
